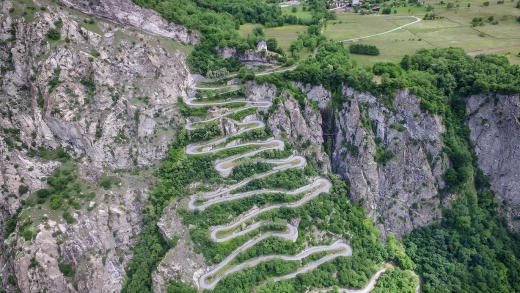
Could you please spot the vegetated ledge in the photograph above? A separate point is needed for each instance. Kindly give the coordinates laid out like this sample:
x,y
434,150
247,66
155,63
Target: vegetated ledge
x,y
125,12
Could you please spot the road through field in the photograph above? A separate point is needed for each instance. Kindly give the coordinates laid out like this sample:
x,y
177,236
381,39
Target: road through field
x,y
417,19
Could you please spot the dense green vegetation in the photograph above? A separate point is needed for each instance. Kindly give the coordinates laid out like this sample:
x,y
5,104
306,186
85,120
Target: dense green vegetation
x,y
246,280
238,116
363,49
179,287
208,131
248,169
289,179
218,21
176,173
331,67
309,40
396,281
252,135
235,151
471,250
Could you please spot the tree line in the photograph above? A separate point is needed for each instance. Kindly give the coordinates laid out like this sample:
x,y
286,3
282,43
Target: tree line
x,y
363,49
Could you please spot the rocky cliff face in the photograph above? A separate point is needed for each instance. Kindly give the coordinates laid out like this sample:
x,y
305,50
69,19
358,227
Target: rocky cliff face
x,y
494,121
319,94
392,159
126,13
104,93
247,56
300,124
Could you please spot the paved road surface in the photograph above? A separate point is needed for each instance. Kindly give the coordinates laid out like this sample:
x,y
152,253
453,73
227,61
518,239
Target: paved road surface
x,y
310,191
345,249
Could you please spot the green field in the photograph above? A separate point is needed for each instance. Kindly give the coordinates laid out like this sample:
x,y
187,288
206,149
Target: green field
x,y
353,25
284,34
454,30
393,47
93,27
299,13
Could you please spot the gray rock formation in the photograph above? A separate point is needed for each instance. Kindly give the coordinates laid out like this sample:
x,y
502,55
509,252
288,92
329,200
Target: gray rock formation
x,y
107,95
402,193
247,56
181,262
257,92
301,127
126,13
298,124
318,94
494,121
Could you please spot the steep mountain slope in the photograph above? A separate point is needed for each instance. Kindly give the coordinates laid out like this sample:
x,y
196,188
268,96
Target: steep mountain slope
x,y
103,94
92,97
392,158
494,121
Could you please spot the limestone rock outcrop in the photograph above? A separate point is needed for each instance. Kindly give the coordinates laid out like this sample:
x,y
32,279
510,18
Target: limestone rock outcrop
x,y
127,13
494,121
400,192
105,94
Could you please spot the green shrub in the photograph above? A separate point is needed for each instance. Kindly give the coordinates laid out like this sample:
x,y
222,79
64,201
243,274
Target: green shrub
x,y
363,49
22,189
53,34
240,115
179,287
56,202
11,280
66,269
105,182
383,155
397,127
69,218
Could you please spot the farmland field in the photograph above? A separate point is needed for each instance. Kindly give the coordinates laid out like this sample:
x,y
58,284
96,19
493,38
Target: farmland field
x,y
393,47
353,25
453,30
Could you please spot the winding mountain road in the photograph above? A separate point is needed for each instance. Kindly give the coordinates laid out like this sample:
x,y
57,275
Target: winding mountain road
x,y
309,191
241,227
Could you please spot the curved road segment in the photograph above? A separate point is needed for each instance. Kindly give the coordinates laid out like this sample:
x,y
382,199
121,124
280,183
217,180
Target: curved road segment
x,y
211,278
310,191
417,19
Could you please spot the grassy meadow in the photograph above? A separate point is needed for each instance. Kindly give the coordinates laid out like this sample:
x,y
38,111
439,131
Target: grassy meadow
x,y
453,30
